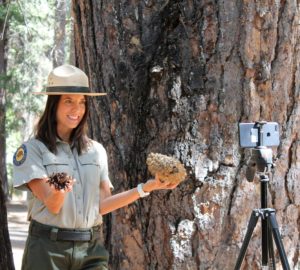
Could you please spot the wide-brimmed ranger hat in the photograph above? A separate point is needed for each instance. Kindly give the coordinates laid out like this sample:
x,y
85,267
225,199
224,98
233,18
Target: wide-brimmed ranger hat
x,y
67,79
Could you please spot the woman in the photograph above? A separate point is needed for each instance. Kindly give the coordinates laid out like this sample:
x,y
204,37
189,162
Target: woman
x,y
65,224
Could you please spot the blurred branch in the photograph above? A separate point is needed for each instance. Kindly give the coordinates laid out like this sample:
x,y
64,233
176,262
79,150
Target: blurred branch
x,y
6,16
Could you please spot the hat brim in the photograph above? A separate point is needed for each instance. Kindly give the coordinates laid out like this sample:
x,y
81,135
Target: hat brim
x,y
69,90
69,93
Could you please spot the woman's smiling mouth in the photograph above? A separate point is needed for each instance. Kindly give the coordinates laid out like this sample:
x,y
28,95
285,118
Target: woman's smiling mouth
x,y
73,118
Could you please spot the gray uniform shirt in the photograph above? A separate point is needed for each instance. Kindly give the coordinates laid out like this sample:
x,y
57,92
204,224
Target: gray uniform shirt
x,y
81,206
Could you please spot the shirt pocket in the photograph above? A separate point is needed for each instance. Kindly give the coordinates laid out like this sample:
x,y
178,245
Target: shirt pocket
x,y
54,164
90,168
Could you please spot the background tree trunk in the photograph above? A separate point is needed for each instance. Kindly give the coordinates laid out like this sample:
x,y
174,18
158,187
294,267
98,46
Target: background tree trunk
x,y
180,75
59,33
3,62
6,257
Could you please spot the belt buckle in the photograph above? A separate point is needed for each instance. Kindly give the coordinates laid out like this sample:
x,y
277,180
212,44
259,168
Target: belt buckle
x,y
53,234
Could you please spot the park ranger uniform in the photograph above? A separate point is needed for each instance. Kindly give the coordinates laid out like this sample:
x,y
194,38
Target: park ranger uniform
x,y
75,230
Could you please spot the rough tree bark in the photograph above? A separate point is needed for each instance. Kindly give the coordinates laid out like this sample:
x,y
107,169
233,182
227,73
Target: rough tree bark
x,y
6,257
180,75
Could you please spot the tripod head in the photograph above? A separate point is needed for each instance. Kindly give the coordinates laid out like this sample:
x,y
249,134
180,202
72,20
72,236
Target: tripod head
x,y
258,136
261,161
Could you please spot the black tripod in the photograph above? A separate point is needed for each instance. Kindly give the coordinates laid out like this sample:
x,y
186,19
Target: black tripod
x,y
261,160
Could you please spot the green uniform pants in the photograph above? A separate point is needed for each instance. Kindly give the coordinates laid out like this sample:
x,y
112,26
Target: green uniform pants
x,y
43,253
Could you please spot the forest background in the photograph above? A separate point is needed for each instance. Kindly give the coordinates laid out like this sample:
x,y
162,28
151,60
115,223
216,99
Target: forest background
x,y
38,35
180,75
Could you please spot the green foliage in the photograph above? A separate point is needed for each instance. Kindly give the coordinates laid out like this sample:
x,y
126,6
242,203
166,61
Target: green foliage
x,y
11,10
30,41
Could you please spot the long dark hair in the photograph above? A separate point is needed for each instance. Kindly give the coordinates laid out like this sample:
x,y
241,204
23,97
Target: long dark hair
x,y
46,131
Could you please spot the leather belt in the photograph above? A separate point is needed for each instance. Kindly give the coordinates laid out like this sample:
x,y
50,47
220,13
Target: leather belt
x,y
61,234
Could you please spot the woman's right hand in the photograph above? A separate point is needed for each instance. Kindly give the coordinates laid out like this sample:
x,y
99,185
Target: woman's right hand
x,y
48,194
157,184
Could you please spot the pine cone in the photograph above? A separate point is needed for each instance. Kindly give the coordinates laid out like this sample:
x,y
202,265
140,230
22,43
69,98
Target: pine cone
x,y
168,168
59,180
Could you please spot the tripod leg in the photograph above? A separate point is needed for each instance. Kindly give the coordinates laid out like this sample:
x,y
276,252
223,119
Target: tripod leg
x,y
278,241
252,223
272,264
264,241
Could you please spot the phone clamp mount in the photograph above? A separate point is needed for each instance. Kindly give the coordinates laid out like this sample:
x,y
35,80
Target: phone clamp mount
x,y
261,162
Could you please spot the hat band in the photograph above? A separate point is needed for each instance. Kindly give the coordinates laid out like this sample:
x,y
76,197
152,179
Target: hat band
x,y
68,89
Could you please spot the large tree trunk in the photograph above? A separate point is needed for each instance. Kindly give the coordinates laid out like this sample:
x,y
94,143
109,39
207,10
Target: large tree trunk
x,y
6,257
180,75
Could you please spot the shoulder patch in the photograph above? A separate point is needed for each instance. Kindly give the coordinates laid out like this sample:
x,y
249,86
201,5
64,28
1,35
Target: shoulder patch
x,y
20,155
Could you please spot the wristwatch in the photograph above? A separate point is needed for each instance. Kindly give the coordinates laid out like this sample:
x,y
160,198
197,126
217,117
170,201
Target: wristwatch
x,y
141,191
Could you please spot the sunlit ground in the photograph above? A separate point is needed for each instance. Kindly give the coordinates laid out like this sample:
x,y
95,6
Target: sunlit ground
x,y
18,227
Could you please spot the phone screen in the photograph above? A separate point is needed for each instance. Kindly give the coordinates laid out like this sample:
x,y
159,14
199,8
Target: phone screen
x,y
253,134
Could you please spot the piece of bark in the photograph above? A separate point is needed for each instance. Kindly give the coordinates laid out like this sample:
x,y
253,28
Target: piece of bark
x,y
59,180
167,168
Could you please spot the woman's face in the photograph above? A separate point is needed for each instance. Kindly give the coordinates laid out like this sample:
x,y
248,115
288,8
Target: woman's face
x,y
70,111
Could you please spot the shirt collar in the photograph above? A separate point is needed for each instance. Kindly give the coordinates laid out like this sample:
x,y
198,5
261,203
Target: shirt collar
x,y
58,140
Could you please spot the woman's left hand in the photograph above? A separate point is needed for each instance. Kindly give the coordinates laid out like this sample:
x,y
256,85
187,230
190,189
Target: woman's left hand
x,y
156,184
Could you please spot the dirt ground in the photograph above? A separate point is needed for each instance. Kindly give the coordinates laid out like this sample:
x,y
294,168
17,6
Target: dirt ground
x,y
18,227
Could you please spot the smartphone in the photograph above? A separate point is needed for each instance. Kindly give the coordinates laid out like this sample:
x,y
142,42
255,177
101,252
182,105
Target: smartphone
x,y
256,134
